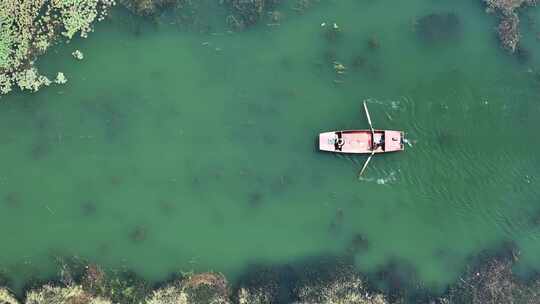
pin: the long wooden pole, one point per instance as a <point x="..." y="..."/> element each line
<point x="365" y="164"/>
<point x="370" y="126"/>
<point x="368" y="117"/>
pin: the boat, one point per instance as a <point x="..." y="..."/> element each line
<point x="361" y="141"/>
<point x="368" y="141"/>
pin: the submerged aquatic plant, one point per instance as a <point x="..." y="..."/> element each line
<point x="357" y="244"/>
<point x="138" y="234"/>
<point x="374" y="43"/>
<point x="358" y="62"/>
<point x="276" y="17"/>
<point x="337" y="221"/>
<point x="166" y="207"/>
<point x="438" y="27"/>
<point x="150" y="7"/>
<point x="88" y="208"/>
<point x="40" y="149"/>
<point x="255" y="199"/>
<point x="248" y="13"/>
<point x="13" y="200"/>
<point x="523" y="55"/>
<point x="330" y="56"/>
<point x="303" y="5"/>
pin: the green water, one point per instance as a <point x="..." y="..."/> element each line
<point x="171" y="149"/>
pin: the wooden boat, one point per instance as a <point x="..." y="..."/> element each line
<point x="368" y="141"/>
<point x="361" y="141"/>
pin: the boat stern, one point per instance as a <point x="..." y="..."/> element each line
<point x="327" y="141"/>
<point x="393" y="141"/>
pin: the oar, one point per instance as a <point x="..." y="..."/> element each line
<point x="365" y="164"/>
<point x="368" y="118"/>
<point x="370" y="126"/>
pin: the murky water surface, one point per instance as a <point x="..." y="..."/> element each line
<point x="171" y="149"/>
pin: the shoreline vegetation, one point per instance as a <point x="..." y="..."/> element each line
<point x="29" y="28"/>
<point x="488" y="279"/>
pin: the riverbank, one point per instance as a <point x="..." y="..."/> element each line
<point x="96" y="287"/>
<point x="488" y="279"/>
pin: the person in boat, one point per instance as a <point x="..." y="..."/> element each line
<point x="378" y="144"/>
<point x="339" y="142"/>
